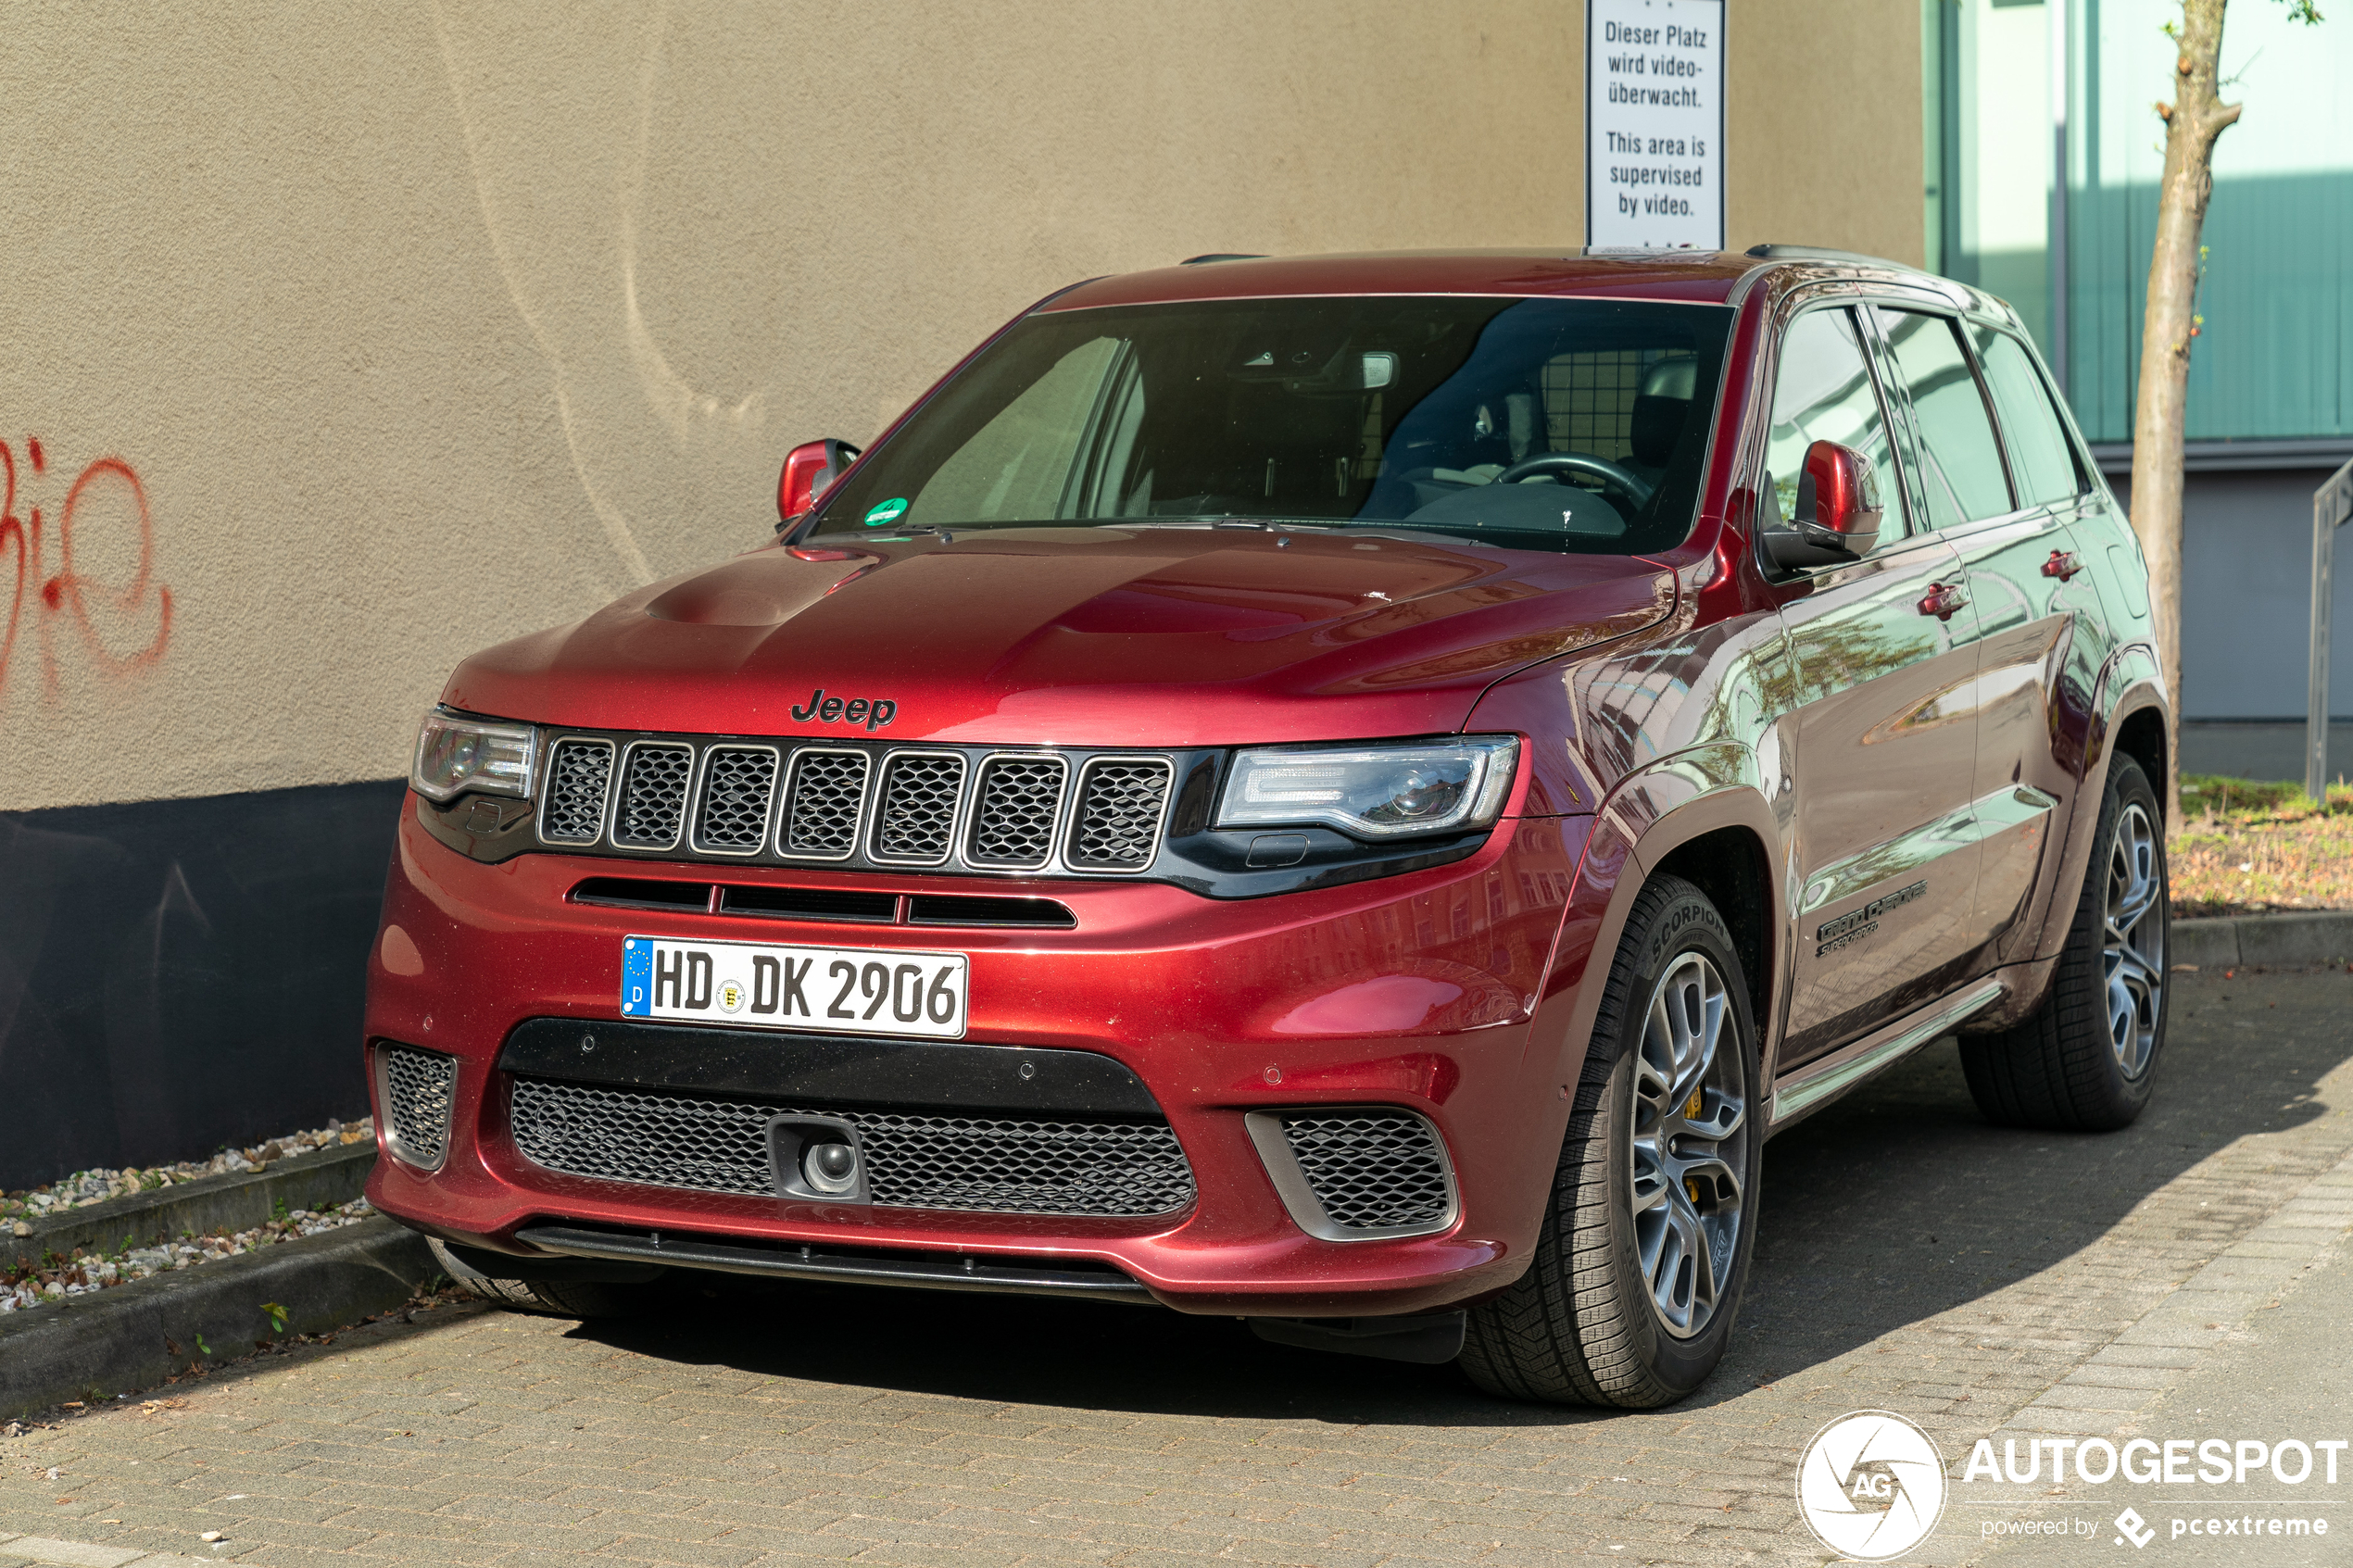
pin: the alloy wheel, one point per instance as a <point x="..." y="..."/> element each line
<point x="1688" y="1145"/>
<point x="2132" y="942"/>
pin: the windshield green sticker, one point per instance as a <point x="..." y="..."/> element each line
<point x="889" y="511"/>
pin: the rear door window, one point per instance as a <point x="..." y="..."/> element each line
<point x="2041" y="460"/>
<point x="1822" y="391"/>
<point x="1960" y="462"/>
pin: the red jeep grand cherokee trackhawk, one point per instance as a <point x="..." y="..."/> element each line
<point x="1351" y="792"/>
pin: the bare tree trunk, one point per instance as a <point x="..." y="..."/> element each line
<point x="2193" y="121"/>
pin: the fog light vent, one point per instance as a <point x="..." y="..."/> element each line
<point x="417" y="1089"/>
<point x="1358" y="1173"/>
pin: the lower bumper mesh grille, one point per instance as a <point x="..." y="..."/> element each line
<point x="987" y="1164"/>
<point x="417" y="1090"/>
<point x="1371" y="1169"/>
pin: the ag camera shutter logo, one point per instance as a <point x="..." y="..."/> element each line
<point x="1871" y="1486"/>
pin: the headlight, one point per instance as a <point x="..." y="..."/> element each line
<point x="1373" y="791"/>
<point x="456" y="753"/>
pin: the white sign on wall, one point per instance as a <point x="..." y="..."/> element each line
<point x="1654" y="124"/>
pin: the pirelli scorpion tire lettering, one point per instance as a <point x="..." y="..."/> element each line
<point x="1646" y="1244"/>
<point x="564" y="1299"/>
<point x="2087" y="1059"/>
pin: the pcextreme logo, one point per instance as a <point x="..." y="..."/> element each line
<point x="1871" y="1486"/>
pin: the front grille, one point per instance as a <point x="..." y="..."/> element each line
<point x="417" y="1088"/>
<point x="828" y="789"/>
<point x="1014" y="810"/>
<point x="653" y="796"/>
<point x="915" y="812"/>
<point x="1371" y="1169"/>
<point x="1119" y="808"/>
<point x="737" y="783"/>
<point x="578" y="772"/>
<point x="860" y="803"/>
<point x="976" y="1164"/>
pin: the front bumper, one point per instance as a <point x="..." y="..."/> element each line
<point x="1415" y="991"/>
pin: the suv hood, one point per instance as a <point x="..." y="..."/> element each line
<point x="1077" y="636"/>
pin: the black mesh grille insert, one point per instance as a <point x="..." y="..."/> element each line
<point x="989" y="1164"/>
<point x="1119" y="806"/>
<point x="653" y="796"/>
<point x="822" y="818"/>
<point x="1370" y="1169"/>
<point x="417" y="1091"/>
<point x="737" y="783"/>
<point x="578" y="774"/>
<point x="916" y="811"/>
<point x="1013" y="812"/>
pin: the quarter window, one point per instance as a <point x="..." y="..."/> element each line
<point x="2041" y="460"/>
<point x="1822" y="391"/>
<point x="1960" y="462"/>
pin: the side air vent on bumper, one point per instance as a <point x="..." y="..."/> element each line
<point x="1357" y="1172"/>
<point x="991" y="1164"/>
<point x="417" y="1090"/>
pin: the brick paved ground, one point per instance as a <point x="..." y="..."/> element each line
<point x="1911" y="1259"/>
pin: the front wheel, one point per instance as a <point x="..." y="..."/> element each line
<point x="2086" y="1060"/>
<point x="1644" y="1250"/>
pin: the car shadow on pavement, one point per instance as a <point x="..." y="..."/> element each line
<point x="1895" y="1205"/>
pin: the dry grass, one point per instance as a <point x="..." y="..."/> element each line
<point x="2249" y="847"/>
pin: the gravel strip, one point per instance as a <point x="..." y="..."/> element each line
<point x="99" y="1184"/>
<point x="30" y="1285"/>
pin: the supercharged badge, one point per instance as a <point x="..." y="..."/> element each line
<point x="1856" y="925"/>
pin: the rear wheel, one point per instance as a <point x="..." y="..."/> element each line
<point x="555" y="1299"/>
<point x="1645" y="1244"/>
<point x="2086" y="1061"/>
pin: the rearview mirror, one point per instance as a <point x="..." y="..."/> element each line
<point x="1838" y="510"/>
<point x="810" y="470"/>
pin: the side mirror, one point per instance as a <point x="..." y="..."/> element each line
<point x="810" y="470"/>
<point x="1838" y="511"/>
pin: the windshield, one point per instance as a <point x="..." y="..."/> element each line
<point x="1558" y="424"/>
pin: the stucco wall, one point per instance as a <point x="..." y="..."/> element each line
<point x="353" y="341"/>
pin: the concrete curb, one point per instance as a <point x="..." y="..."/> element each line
<point x="94" y="1345"/>
<point x="2325" y="936"/>
<point x="236" y="1201"/>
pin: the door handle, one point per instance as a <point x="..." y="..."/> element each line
<point x="2063" y="565"/>
<point x="1943" y="601"/>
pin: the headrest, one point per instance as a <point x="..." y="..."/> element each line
<point x="1660" y="408"/>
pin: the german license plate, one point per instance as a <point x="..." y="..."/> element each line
<point x="765" y="985"/>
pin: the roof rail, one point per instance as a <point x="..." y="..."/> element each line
<point x="1818" y="253"/>
<point x="1222" y="256"/>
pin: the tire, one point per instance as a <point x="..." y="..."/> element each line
<point x="2087" y="1059"/>
<point x="1585" y="1325"/>
<point x="555" y="1299"/>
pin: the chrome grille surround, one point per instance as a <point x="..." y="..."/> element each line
<point x="824" y="802"/>
<point x="418" y="1090"/>
<point x="985" y="1164"/>
<point x="1123" y="806"/>
<point x="1357" y="1172"/>
<point x="731" y="812"/>
<point x="915" y="808"/>
<point x="579" y="774"/>
<point x="861" y="804"/>
<point x="650" y="806"/>
<point x="1014" y="810"/>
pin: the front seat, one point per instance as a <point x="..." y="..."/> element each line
<point x="1661" y="408"/>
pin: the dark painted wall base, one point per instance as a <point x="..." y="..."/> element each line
<point x="180" y="975"/>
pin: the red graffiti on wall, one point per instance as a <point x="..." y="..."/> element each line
<point x="65" y="599"/>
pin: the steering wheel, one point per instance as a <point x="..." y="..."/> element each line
<point x="1611" y="475"/>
